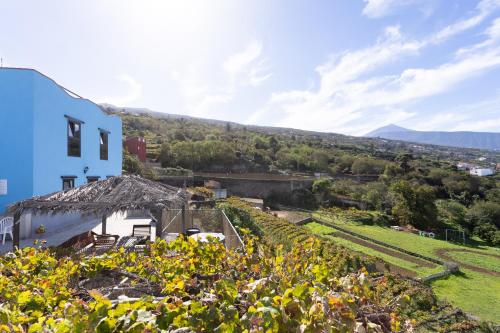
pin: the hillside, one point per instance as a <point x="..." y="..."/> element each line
<point x="254" y="141"/>
<point x="480" y="140"/>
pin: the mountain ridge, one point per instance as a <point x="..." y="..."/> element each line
<point x="462" y="139"/>
<point x="390" y="132"/>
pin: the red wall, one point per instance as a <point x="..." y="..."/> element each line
<point x="136" y="146"/>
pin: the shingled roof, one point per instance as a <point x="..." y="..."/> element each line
<point x="106" y="196"/>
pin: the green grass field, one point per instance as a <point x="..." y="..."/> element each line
<point x="475" y="292"/>
<point x="419" y="271"/>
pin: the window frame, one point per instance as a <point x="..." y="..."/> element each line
<point x="72" y="139"/>
<point x="104" y="147"/>
<point x="91" y="179"/>
<point x="70" y="179"/>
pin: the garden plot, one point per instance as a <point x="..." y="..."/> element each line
<point x="475" y="289"/>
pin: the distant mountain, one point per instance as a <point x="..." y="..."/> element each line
<point x="481" y="140"/>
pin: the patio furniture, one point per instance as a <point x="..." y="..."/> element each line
<point x="104" y="241"/>
<point x="131" y="242"/>
<point x="192" y="231"/>
<point x="100" y="244"/>
<point x="204" y="236"/>
<point x="6" y="226"/>
<point x="141" y="230"/>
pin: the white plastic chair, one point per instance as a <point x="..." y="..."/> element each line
<point x="6" y="226"/>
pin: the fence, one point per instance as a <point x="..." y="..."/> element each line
<point x="176" y="221"/>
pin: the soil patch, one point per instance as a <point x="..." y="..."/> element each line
<point x="443" y="253"/>
<point x="292" y="216"/>
<point x="393" y="253"/>
<point x="383" y="266"/>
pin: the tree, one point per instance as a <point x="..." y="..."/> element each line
<point x="413" y="204"/>
<point x="165" y="156"/>
<point x="483" y="212"/>
<point x="367" y="165"/>
<point x="391" y="171"/>
<point x="404" y="161"/>
<point x="375" y="195"/>
<point x="488" y="232"/>
<point x="321" y="186"/>
<point x="436" y="176"/>
<point x="453" y="213"/>
<point x="493" y="195"/>
<point x="131" y="164"/>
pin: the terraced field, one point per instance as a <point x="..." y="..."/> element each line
<point x="475" y="289"/>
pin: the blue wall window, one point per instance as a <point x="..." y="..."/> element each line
<point x="68" y="182"/>
<point x="91" y="179"/>
<point x="103" y="140"/>
<point x="74" y="138"/>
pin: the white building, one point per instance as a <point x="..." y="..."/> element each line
<point x="464" y="166"/>
<point x="481" y="172"/>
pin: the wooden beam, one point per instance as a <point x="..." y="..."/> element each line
<point x="159" y="224"/>
<point x="103" y="224"/>
<point x="16" y="231"/>
<point x="183" y="218"/>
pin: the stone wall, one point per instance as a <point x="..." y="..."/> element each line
<point x="244" y="187"/>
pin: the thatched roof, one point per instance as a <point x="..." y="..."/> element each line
<point x="106" y="196"/>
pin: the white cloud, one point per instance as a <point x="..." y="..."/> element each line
<point x="248" y="65"/>
<point x="349" y="99"/>
<point x="204" y="92"/>
<point x="379" y="8"/>
<point x="483" y="10"/>
<point x="238" y="62"/>
<point x="198" y="95"/>
<point x="133" y="94"/>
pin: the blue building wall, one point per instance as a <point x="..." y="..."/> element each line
<point x="44" y="108"/>
<point x="16" y="135"/>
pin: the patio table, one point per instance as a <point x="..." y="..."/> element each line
<point x="203" y="236"/>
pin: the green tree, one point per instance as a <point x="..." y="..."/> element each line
<point x="413" y="204"/>
<point x="366" y="165"/>
<point x="404" y="161"/>
<point x="321" y="186"/>
<point x="453" y="213"/>
<point x="165" y="157"/>
<point x="488" y="232"/>
<point x="131" y="164"/>
<point x="483" y="212"/>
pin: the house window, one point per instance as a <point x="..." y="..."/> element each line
<point x="74" y="138"/>
<point x="68" y="182"/>
<point x="91" y="179"/>
<point x="103" y="139"/>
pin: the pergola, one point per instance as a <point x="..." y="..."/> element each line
<point x="103" y="198"/>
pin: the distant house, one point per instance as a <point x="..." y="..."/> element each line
<point x="464" y="166"/>
<point x="481" y="172"/>
<point x="136" y="146"/>
<point x="50" y="138"/>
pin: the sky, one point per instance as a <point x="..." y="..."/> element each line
<point x="343" y="66"/>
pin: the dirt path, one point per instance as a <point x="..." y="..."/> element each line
<point x="393" y="253"/>
<point x="382" y="266"/>
<point x="442" y="253"/>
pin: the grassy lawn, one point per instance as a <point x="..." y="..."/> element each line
<point x="474" y="292"/>
<point x="405" y="240"/>
<point x="487" y="262"/>
<point x="324" y="230"/>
